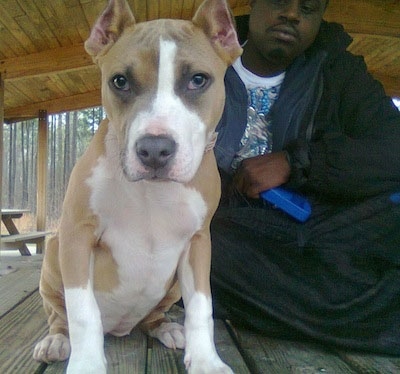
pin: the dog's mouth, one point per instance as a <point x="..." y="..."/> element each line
<point x="153" y="177"/>
<point x="169" y="173"/>
<point x="149" y="174"/>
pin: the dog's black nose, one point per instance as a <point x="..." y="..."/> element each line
<point x="155" y="150"/>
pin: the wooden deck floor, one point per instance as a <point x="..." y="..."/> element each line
<point x="23" y="323"/>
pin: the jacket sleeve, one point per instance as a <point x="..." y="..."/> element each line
<point x="355" y="149"/>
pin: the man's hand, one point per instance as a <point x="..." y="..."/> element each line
<point x="260" y="173"/>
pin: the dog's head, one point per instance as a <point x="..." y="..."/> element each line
<point x="163" y="85"/>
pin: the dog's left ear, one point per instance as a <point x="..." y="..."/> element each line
<point x="109" y="27"/>
<point x="216" y="20"/>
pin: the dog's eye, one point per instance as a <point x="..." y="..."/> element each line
<point x="198" y="81"/>
<point x="120" y="82"/>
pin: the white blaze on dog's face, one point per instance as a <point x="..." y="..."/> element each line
<point x="160" y="98"/>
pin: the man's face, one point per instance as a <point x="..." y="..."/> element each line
<point x="283" y="29"/>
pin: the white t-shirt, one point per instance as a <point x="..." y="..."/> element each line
<point x="262" y="93"/>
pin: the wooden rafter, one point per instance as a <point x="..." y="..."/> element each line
<point x="47" y="62"/>
<point x="64" y="104"/>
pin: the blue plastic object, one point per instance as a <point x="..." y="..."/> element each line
<point x="395" y="198"/>
<point x="290" y="202"/>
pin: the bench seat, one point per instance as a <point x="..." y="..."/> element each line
<point x="19" y="241"/>
<point x="29" y="237"/>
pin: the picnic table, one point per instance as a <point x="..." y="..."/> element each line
<point x="23" y="323"/>
<point x="14" y="239"/>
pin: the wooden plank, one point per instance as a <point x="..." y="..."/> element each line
<point x="187" y="9"/>
<point x="20" y="330"/>
<point x="27" y="237"/>
<point x="41" y="175"/>
<point x="162" y="359"/>
<point x="55" y="368"/>
<point x="239" y="7"/>
<point x="46" y="62"/>
<point x="1" y="138"/>
<point x="34" y="24"/>
<point x="41" y="91"/>
<point x="75" y="102"/>
<point x="17" y="286"/>
<point x="371" y="364"/>
<point x="139" y="9"/>
<point x="14" y="97"/>
<point x="127" y="354"/>
<point x="267" y="355"/>
<point x="12" y="26"/>
<point x="63" y="20"/>
<point x="13" y="230"/>
<point x="176" y="8"/>
<point x="9" y="46"/>
<point x="165" y="9"/>
<point x="36" y="31"/>
<point x="14" y="213"/>
<point x="74" y="82"/>
<point x="8" y="221"/>
<point x="22" y="246"/>
<point x="92" y="10"/>
<point x="19" y="278"/>
<point x="227" y="349"/>
<point x="153" y="9"/>
<point x="165" y="360"/>
<point x="366" y="16"/>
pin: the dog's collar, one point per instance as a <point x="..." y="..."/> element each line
<point x="211" y="143"/>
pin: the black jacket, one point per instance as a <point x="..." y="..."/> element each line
<point x="340" y="129"/>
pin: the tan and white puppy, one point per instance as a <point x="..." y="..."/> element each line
<point x="134" y="232"/>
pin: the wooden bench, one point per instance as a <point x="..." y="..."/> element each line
<point x="19" y="241"/>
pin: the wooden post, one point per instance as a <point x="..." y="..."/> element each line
<point x="1" y="142"/>
<point x="41" y="200"/>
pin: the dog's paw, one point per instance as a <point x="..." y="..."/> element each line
<point x="204" y="364"/>
<point x="52" y="348"/>
<point x="171" y="334"/>
<point x="207" y="367"/>
<point x="85" y="364"/>
<point x="214" y="365"/>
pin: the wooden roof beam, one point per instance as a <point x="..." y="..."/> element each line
<point x="46" y="62"/>
<point x="65" y="104"/>
<point x="374" y="17"/>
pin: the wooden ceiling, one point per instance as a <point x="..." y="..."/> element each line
<point x="44" y="66"/>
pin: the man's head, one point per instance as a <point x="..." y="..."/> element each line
<point x="279" y="31"/>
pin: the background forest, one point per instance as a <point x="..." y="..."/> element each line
<point x="68" y="136"/>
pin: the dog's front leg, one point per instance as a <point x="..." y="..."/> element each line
<point x="194" y="277"/>
<point x="83" y="314"/>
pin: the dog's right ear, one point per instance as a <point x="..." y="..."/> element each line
<point x="216" y="20"/>
<point x="109" y="27"/>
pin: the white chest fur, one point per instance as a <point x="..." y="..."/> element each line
<point x="147" y="225"/>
